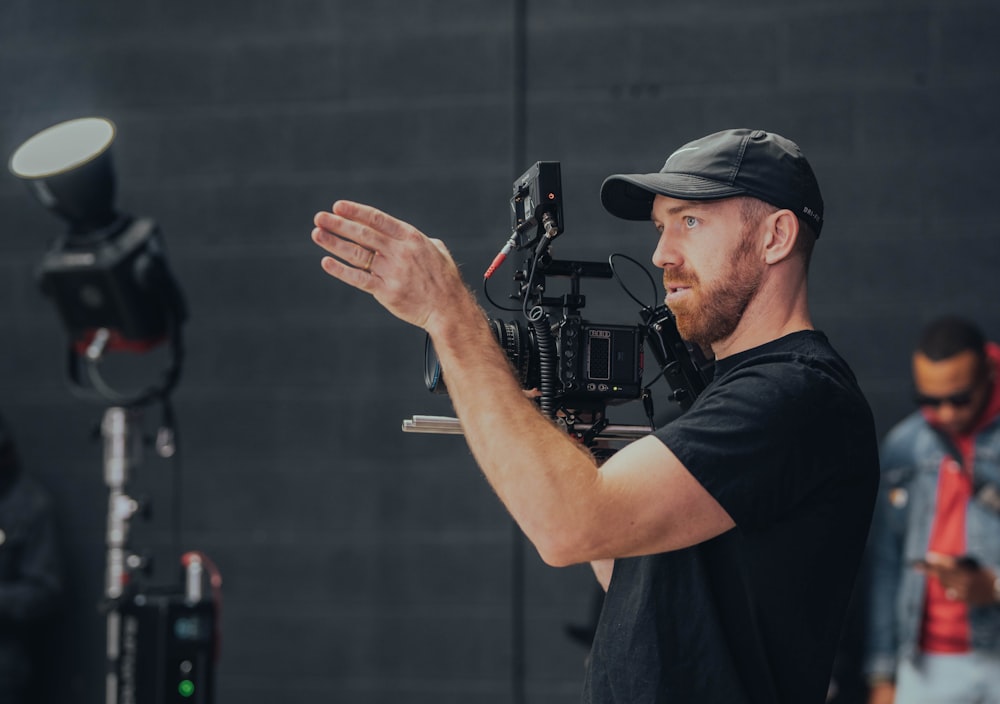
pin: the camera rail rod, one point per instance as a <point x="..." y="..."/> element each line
<point x="447" y="425"/>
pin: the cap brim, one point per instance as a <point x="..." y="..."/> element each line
<point x="630" y="196"/>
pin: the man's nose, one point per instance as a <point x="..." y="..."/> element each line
<point x="665" y="255"/>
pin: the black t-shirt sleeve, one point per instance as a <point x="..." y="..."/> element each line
<point x="743" y="441"/>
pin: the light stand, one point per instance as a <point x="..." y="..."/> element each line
<point x="161" y="646"/>
<point x="109" y="280"/>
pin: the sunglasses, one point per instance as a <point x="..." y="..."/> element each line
<point x="959" y="400"/>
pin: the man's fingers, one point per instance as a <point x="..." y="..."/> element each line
<point x="345" y="229"/>
<point x="939" y="564"/>
<point x="333" y="231"/>
<point x="346" y="252"/>
<point x="357" y="255"/>
<point x="372" y="218"/>
<point x="358" y="278"/>
<point x="941" y="560"/>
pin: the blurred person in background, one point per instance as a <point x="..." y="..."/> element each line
<point x="934" y="592"/>
<point x="31" y="589"/>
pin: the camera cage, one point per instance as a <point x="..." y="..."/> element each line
<point x="548" y="351"/>
<point x="566" y="379"/>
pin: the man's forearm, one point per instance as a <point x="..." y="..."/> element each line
<point x="641" y="501"/>
<point x="543" y="477"/>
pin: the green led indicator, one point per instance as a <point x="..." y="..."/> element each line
<point x="186" y="688"/>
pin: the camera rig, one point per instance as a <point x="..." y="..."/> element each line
<point x="578" y="367"/>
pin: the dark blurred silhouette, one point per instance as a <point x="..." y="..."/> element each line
<point x="31" y="584"/>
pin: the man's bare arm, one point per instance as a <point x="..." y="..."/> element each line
<point x="641" y="501"/>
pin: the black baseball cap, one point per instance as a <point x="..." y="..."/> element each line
<point x="738" y="162"/>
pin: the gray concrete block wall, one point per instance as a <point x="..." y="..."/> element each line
<point x="361" y="564"/>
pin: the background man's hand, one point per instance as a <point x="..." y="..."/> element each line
<point x="962" y="580"/>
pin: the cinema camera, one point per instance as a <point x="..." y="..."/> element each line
<point x="579" y="367"/>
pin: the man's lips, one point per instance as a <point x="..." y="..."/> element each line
<point x="676" y="291"/>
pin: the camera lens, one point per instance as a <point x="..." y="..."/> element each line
<point x="518" y="343"/>
<point x="515" y="339"/>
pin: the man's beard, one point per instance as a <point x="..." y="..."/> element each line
<point x="712" y="314"/>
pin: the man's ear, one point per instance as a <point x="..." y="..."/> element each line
<point x="781" y="235"/>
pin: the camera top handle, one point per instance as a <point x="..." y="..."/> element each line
<point x="573" y="301"/>
<point x="685" y="368"/>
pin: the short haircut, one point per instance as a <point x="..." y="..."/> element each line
<point x="950" y="335"/>
<point x="753" y="210"/>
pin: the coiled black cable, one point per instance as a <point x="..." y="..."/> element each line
<point x="547" y="359"/>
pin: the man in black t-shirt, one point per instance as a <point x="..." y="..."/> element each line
<point x="729" y="539"/>
<point x="753" y="615"/>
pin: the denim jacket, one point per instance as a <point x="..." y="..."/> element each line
<point x="912" y="455"/>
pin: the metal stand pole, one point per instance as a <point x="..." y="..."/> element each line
<point x="122" y="450"/>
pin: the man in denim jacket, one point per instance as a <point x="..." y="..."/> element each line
<point x="934" y="609"/>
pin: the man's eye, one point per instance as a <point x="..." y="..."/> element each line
<point x="690" y="221"/>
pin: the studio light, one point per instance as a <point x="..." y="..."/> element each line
<point x="107" y="274"/>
